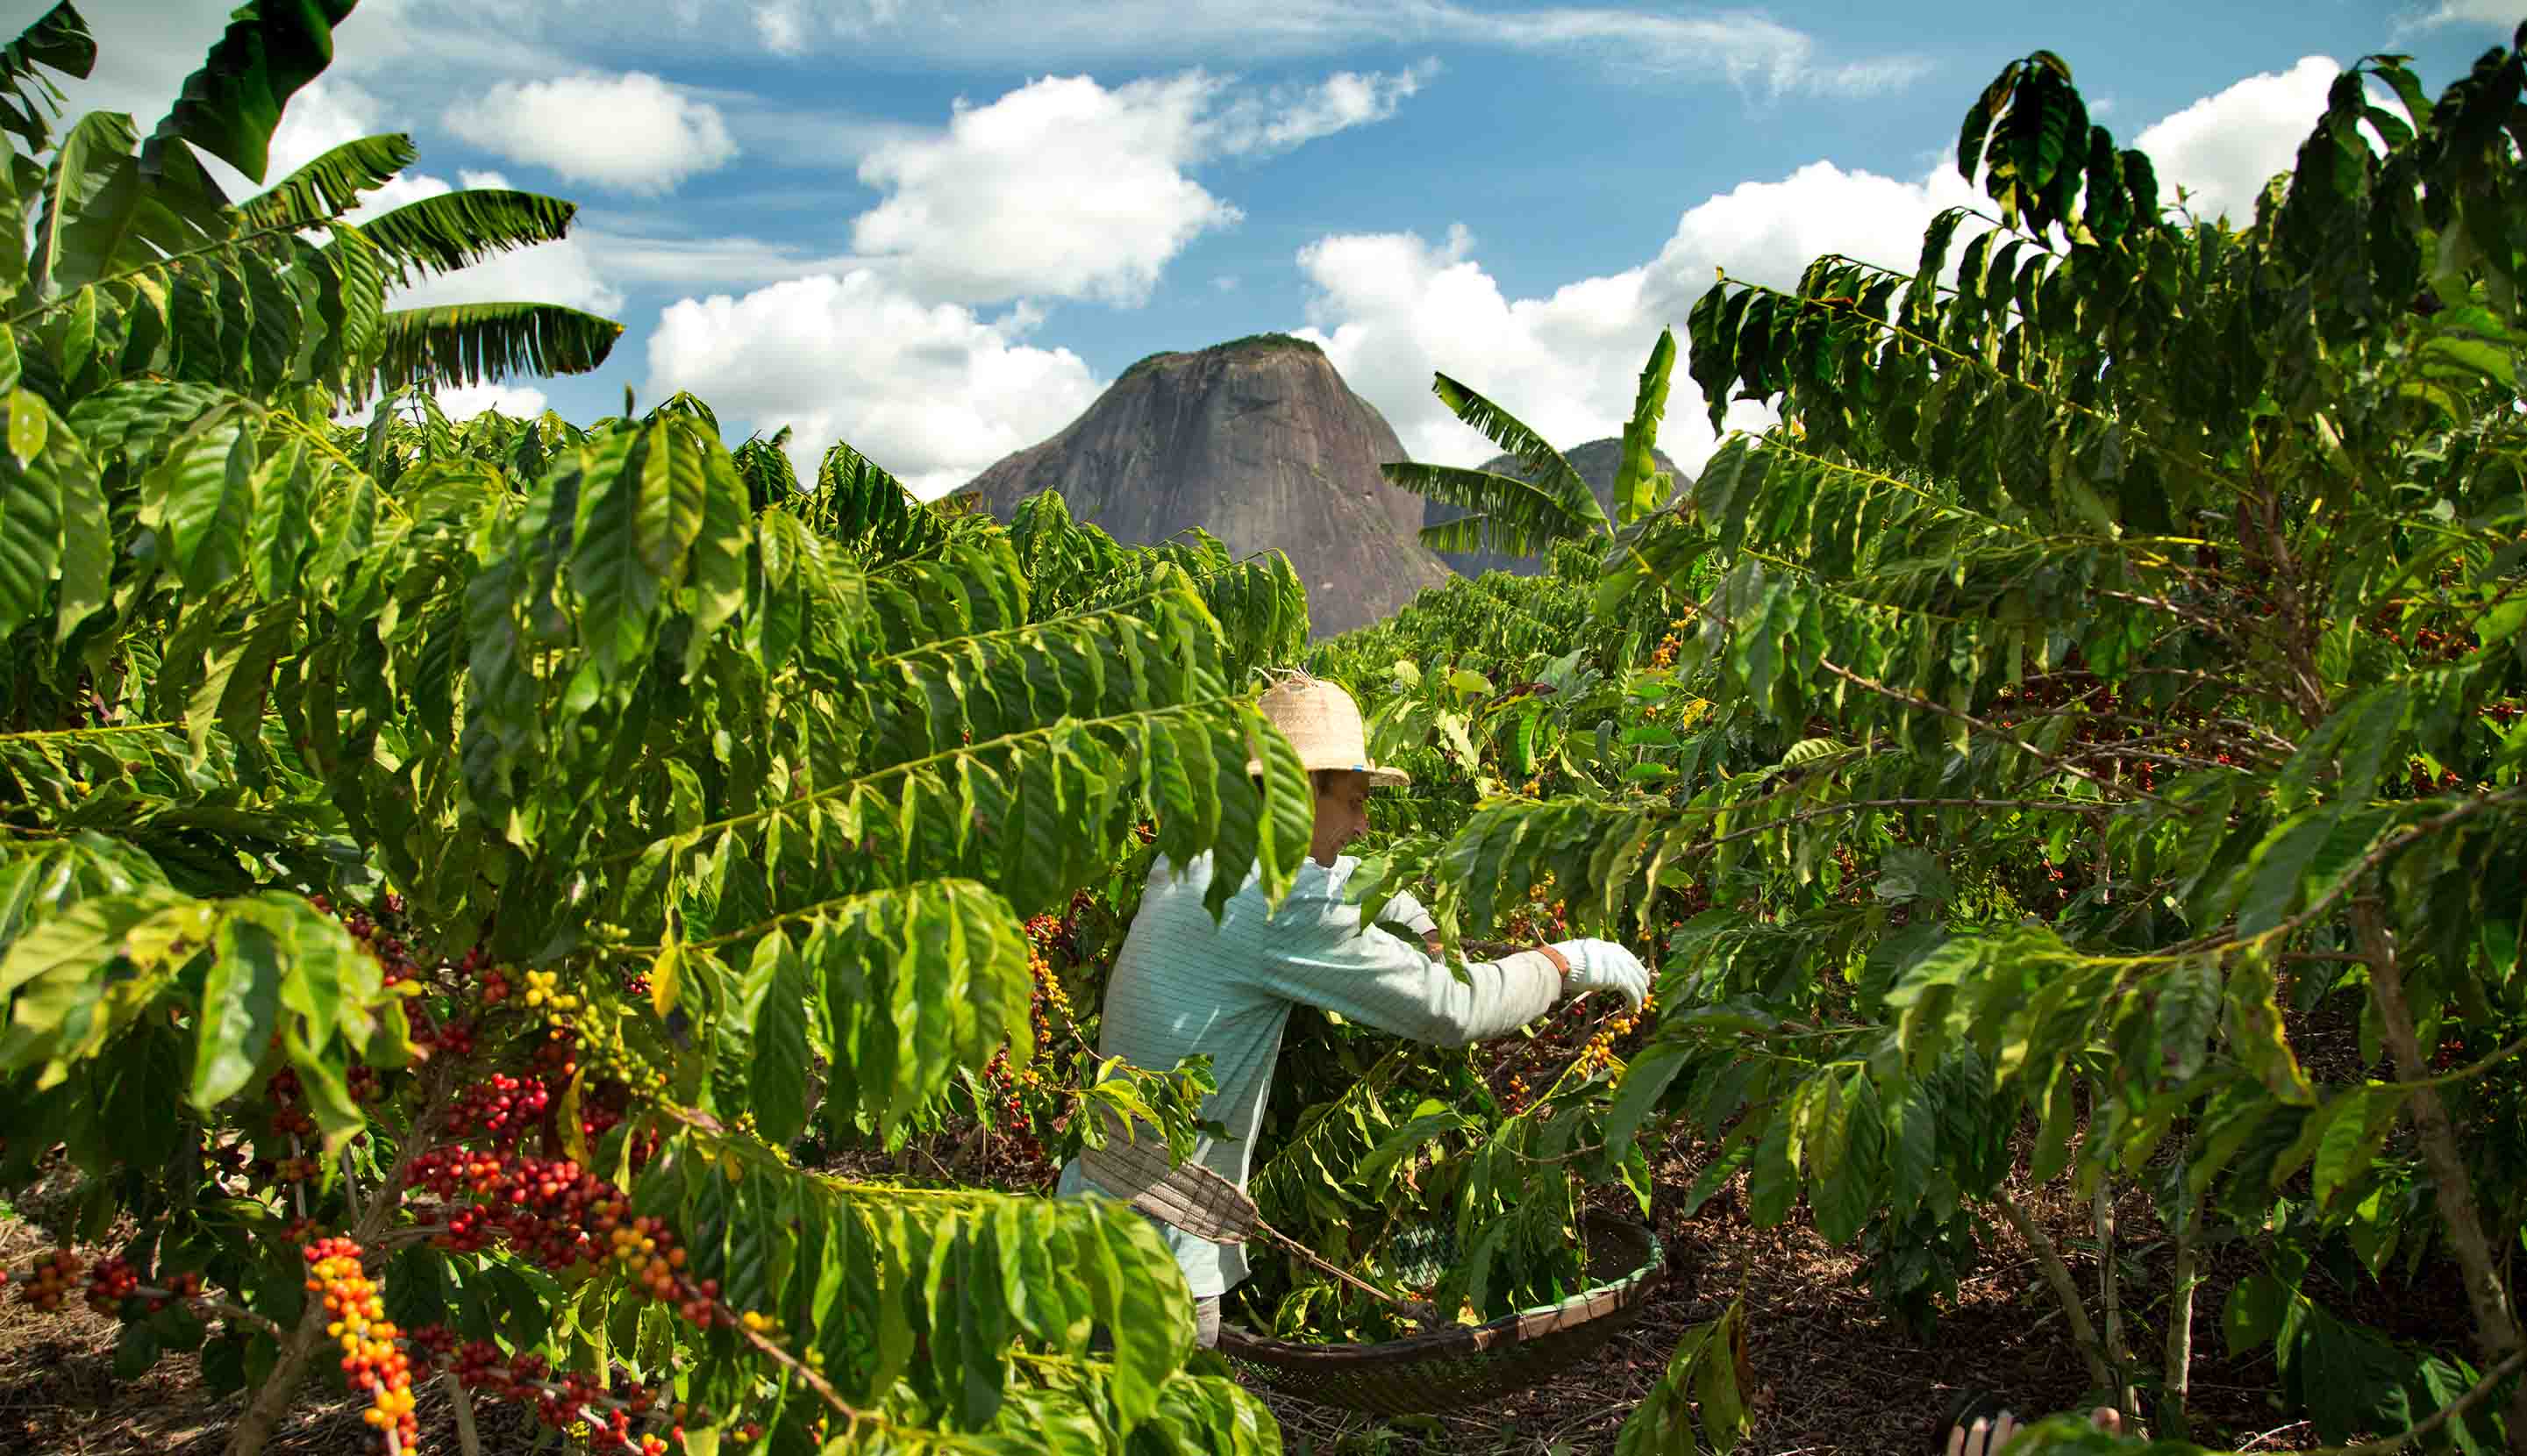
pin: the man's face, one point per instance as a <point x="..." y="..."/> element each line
<point x="1342" y="814"/>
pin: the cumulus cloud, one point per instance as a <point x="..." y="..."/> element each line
<point x="2223" y="148"/>
<point x="1391" y="308"/>
<point x="1066" y="187"/>
<point x="934" y="393"/>
<point x="330" y="112"/>
<point x="1062" y="186"/>
<point x="518" y="402"/>
<point x="563" y="273"/>
<point x="630" y="131"/>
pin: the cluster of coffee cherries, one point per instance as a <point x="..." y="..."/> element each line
<point x="2424" y="785"/>
<point x="500" y="1109"/>
<point x="110" y="1282"/>
<point x="492" y="986"/>
<point x="2429" y="642"/>
<point x="563" y="1216"/>
<point x="1662" y="655"/>
<point x="51" y="1281"/>
<point x="551" y="1210"/>
<point x="381" y="929"/>
<point x="598" y="1414"/>
<point x="1516" y="1095"/>
<point x="1599" y="1053"/>
<point x="289" y="1115"/>
<point x="1047" y="1000"/>
<point x="452" y="1039"/>
<point x="1540" y="918"/>
<point x="1010" y="1115"/>
<point x="372" y="1360"/>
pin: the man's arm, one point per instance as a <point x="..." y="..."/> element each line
<point x="1317" y="953"/>
<point x="1407" y="911"/>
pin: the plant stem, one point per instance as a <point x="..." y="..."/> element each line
<point x="2175" y="1422"/>
<point x="2058" y="1274"/>
<point x="469" y="1442"/>
<point x="2496" y="1328"/>
<point x="2111" y="1305"/>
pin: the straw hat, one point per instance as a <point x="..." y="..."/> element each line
<point x="1323" y="723"/>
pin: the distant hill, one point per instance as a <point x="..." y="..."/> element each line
<point x="1596" y="461"/>
<point x="1257" y="440"/>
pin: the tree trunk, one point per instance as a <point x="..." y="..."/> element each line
<point x="281" y="1387"/>
<point x="2496" y="1327"/>
<point x="2058" y="1274"/>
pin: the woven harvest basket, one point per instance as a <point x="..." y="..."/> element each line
<point x="1466" y="1365"/>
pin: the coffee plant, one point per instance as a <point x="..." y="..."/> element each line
<point x="516" y="907"/>
<point x="2082" y="742"/>
<point x="445" y="869"/>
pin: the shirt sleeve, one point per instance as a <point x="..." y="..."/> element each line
<point x="1317" y="953"/>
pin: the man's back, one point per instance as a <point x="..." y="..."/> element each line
<point x="1183" y="986"/>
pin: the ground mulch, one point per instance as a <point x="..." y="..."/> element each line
<point x="1832" y="1374"/>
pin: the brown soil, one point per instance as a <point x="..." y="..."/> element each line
<point x="1832" y="1375"/>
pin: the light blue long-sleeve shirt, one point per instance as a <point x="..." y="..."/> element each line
<point x="1183" y="986"/>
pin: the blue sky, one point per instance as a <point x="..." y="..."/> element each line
<point x="938" y="230"/>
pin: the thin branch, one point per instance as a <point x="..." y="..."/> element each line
<point x="1943" y="710"/>
<point x="2387" y="848"/>
<point x="2436" y="1420"/>
<point x="92" y="732"/>
<point x="813" y="1380"/>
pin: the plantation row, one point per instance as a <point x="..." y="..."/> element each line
<point x="558" y="872"/>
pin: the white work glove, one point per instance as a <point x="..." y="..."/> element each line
<point x="1603" y="965"/>
<point x="1406" y="910"/>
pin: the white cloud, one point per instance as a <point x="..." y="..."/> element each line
<point x="729" y="261"/>
<point x="1742" y="47"/>
<point x="1061" y="186"/>
<point x="2502" y="13"/>
<point x="1283" y="118"/>
<point x="934" y="393"/>
<point x="563" y="273"/>
<point x="632" y="131"/>
<point x="1391" y="308"/>
<point x="1066" y="187"/>
<point x="330" y="112"/>
<point x="518" y="402"/>
<point x="325" y="113"/>
<point x="2224" y="147"/>
<point x="783" y="25"/>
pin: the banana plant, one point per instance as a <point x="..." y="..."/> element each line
<point x="1549" y="502"/>
<point x="138" y="263"/>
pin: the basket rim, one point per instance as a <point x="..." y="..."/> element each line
<point x="1588" y="1306"/>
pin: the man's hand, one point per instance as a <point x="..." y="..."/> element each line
<point x="1603" y="965"/>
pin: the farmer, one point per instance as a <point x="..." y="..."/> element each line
<point x="1183" y="985"/>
